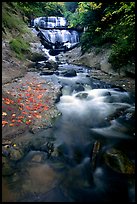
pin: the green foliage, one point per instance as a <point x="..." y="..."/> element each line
<point x="112" y="23"/>
<point x="37" y="9"/>
<point x="20" y="47"/>
<point x="71" y="6"/>
<point x="11" y="21"/>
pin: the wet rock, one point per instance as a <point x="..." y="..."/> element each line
<point x="36" y="57"/>
<point x="118" y="161"/>
<point x="52" y="64"/>
<point x="82" y="95"/>
<point x="48" y="72"/>
<point x="7" y="167"/>
<point x="69" y="73"/>
<point x="12" y="152"/>
<point x="79" y="87"/>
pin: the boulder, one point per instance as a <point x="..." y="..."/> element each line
<point x="69" y="73"/>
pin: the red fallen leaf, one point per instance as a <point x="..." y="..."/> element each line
<point x="19" y="121"/>
<point x="28" y="122"/>
<point x="11" y="124"/>
<point x="40" y="96"/>
<point x="31" y="99"/>
<point x="27" y="94"/>
<point x="38" y="116"/>
<point x="19" y="99"/>
<point x="4" y="122"/>
<point x="23" y="112"/>
<point x="28" y="108"/>
<point x="13" y="121"/>
<point x="20" y="117"/>
<point x="46" y="108"/>
<point x="7" y="102"/>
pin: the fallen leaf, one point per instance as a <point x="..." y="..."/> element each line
<point x="4" y="122"/>
<point x="4" y="113"/>
<point x="11" y="124"/>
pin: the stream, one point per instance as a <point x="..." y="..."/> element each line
<point x="88" y="155"/>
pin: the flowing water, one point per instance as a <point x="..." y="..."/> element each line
<point x="89" y="153"/>
<point x="92" y="113"/>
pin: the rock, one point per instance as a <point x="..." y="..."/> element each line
<point x="82" y="95"/>
<point x="36" y="57"/>
<point x="79" y="87"/>
<point x="48" y="72"/>
<point x="52" y="64"/>
<point x="7" y="167"/>
<point x="69" y="73"/>
<point x="118" y="161"/>
<point x="12" y="152"/>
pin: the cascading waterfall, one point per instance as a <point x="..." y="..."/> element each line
<point x="50" y="22"/>
<point x="55" y="34"/>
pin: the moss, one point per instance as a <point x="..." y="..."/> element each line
<point x="12" y="20"/>
<point x="20" y="47"/>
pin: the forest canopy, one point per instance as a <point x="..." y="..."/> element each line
<point x="107" y="23"/>
<point x="104" y="23"/>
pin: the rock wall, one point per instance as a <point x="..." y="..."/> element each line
<point x="97" y="58"/>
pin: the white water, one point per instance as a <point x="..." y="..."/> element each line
<point x="93" y="108"/>
<point x="50" y="22"/>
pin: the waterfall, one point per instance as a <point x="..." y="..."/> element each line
<point x="55" y="34"/>
<point x="50" y="22"/>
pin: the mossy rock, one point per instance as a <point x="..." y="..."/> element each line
<point x="119" y="162"/>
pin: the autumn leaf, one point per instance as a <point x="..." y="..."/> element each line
<point x="46" y="108"/>
<point x="24" y="112"/>
<point x="4" y="113"/>
<point x="38" y="116"/>
<point x="28" y="122"/>
<point x="4" y="123"/>
<point x="13" y="115"/>
<point x="13" y="121"/>
<point x="11" y="124"/>
<point x="40" y="96"/>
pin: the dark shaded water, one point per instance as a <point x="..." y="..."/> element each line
<point x="91" y="147"/>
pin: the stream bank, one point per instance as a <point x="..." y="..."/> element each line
<point x="101" y="68"/>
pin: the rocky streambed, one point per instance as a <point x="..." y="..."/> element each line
<point x="67" y="137"/>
